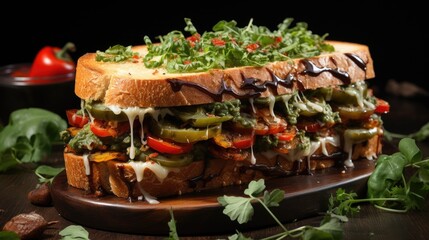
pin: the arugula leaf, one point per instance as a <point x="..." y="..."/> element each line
<point x="29" y="136"/>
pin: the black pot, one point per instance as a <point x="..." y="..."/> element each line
<point x="55" y="93"/>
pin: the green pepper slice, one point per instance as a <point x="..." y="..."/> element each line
<point x="102" y="112"/>
<point x="360" y="134"/>
<point x="168" y="160"/>
<point x="352" y="112"/>
<point x="165" y="129"/>
<point x="198" y="117"/>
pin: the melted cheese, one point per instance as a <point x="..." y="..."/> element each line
<point x="348" y="147"/>
<point x="139" y="168"/>
<point x="334" y="141"/>
<point x="271" y="103"/>
<point x="298" y="154"/>
<point x="132" y="113"/>
<point x="86" y="164"/>
<point x="160" y="172"/>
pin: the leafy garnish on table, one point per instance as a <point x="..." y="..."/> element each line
<point x="29" y="136"/>
<point x="74" y="232"/>
<point x="173" y="235"/>
<point x="399" y="183"/>
<point x="47" y="173"/>
<point x="241" y="209"/>
<point x="419" y="135"/>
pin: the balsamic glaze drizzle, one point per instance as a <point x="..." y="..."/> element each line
<point x="177" y="84"/>
<point x="313" y="70"/>
<point x="357" y="60"/>
<point x="258" y="88"/>
<point x="251" y="83"/>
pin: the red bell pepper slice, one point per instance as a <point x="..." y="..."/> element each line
<point x="381" y="106"/>
<point x="170" y="147"/>
<point x="76" y="120"/>
<point x="102" y="129"/>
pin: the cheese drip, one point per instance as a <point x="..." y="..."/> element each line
<point x="132" y="113"/>
<point x="86" y="164"/>
<point x="160" y="172"/>
<point x="298" y="154"/>
<point x="348" y="146"/>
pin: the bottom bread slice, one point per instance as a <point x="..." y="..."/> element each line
<point x="123" y="180"/>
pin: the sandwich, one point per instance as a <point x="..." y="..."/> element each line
<point x="196" y="111"/>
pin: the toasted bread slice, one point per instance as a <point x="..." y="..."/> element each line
<point x="131" y="84"/>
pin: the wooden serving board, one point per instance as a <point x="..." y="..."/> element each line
<point x="200" y="213"/>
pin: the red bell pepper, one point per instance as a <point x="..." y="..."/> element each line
<point x="51" y="61"/>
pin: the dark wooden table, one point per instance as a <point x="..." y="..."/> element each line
<point x="406" y="116"/>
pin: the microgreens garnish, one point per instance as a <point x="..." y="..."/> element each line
<point x="230" y="46"/>
<point x="117" y="53"/>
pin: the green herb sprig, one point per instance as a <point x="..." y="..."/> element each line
<point x="399" y="183"/>
<point x="419" y="135"/>
<point x="46" y="174"/>
<point x="241" y="210"/>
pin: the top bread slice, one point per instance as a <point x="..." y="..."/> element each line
<point x="131" y="84"/>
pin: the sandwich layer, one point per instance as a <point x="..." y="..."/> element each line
<point x="131" y="84"/>
<point x="125" y="180"/>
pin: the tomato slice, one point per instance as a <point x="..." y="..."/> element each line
<point x="267" y="124"/>
<point x="243" y="141"/>
<point x="381" y="106"/>
<point x="103" y="129"/>
<point x="234" y="139"/>
<point x="287" y="135"/>
<point x="170" y="147"/>
<point x="75" y="119"/>
<point x="308" y="125"/>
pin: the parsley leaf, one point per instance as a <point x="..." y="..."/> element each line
<point x="241" y="209"/>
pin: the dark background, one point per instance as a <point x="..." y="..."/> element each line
<point x="397" y="34"/>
